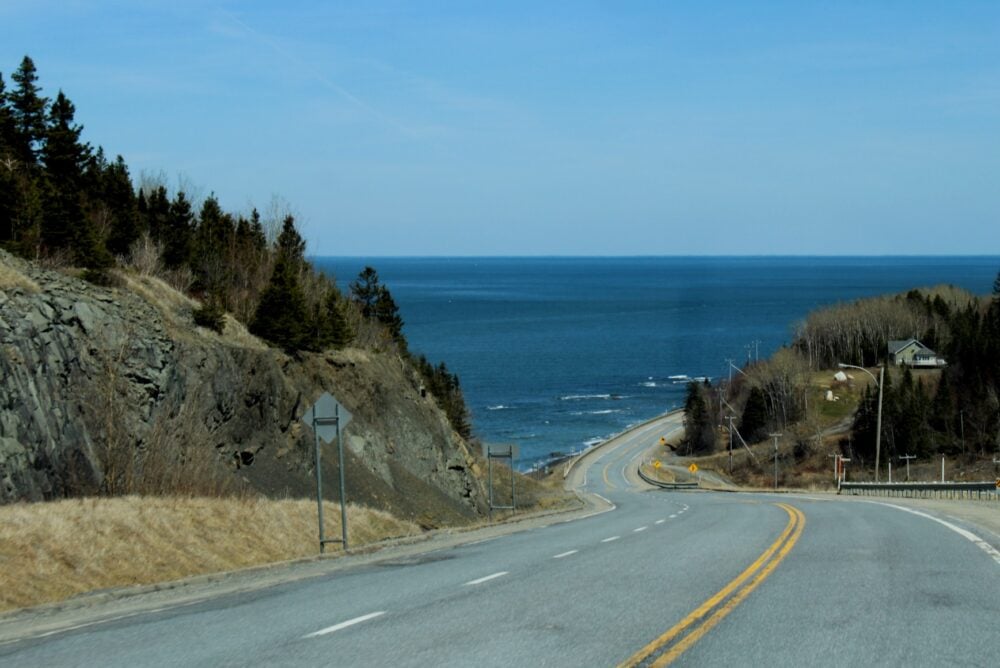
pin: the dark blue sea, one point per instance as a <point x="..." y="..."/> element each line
<point x="555" y="354"/>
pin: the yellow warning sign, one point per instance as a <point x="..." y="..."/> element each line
<point x="693" y="468"/>
<point x="663" y="440"/>
<point x="656" y="465"/>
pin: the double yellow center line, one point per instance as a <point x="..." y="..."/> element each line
<point x="689" y="630"/>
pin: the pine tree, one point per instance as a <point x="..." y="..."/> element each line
<point x="28" y="112"/>
<point x="176" y="233"/>
<point x="387" y="313"/>
<point x="366" y="290"/>
<point x="340" y="331"/>
<point x="212" y="241"/>
<point x="7" y="137"/>
<point x="699" y="430"/>
<point x="282" y="317"/>
<point x="154" y="207"/>
<point x="118" y="196"/>
<point x="753" y="422"/>
<point x="65" y="224"/>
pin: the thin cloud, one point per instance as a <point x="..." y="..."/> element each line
<point x="326" y="81"/>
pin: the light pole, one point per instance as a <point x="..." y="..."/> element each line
<point x="878" y="420"/>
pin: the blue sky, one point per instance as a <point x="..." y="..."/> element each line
<point x="577" y="128"/>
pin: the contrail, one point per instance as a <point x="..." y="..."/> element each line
<point x="323" y="79"/>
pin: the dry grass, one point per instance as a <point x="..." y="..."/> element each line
<point x="176" y="308"/>
<point x="12" y="278"/>
<point x="52" y="551"/>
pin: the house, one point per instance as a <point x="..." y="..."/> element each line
<point x="914" y="354"/>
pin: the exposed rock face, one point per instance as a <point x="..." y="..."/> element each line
<point x="104" y="389"/>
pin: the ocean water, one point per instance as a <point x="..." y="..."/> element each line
<point x="555" y="354"/>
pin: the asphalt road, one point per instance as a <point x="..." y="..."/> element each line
<point x="693" y="578"/>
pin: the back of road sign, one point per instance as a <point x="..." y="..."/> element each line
<point x="325" y="416"/>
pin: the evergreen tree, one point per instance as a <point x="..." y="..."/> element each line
<point x="290" y="244"/>
<point x="340" y="331"/>
<point x="154" y="207"/>
<point x="177" y="232"/>
<point x="282" y="317"/>
<point x="366" y="290"/>
<point x="387" y="313"/>
<point x="65" y="224"/>
<point x="120" y="201"/>
<point x="212" y="242"/>
<point x="28" y="112"/>
<point x="754" y="421"/>
<point x="699" y="423"/>
<point x="7" y="135"/>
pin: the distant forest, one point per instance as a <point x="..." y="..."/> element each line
<point x="66" y="204"/>
<point x="953" y="411"/>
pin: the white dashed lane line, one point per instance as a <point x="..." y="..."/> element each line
<point x="344" y="625"/>
<point x="639" y="529"/>
<point x="608" y="540"/>
<point x="660" y="521"/>
<point x="487" y="578"/>
<point x="565" y="554"/>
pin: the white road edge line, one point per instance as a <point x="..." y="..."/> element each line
<point x="968" y="535"/>
<point x="344" y="625"/>
<point x="565" y="554"/>
<point x="608" y="540"/>
<point x="639" y="529"/>
<point x="487" y="578"/>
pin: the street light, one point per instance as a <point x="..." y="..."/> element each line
<point x="878" y="421"/>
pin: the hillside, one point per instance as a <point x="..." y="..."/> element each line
<point x="113" y="390"/>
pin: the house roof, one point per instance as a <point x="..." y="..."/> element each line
<point x="897" y="346"/>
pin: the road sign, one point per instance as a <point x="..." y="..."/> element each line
<point x="656" y="465"/>
<point x="325" y="416"/>
<point x="693" y="468"/>
<point x="494" y="450"/>
<point x="663" y="440"/>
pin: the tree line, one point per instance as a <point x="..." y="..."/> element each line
<point x="954" y="411"/>
<point x="65" y="203"/>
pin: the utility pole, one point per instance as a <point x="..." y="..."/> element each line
<point x="961" y="416"/>
<point x="878" y="421"/>
<point x="729" y="361"/>
<point x="730" y="443"/>
<point x="836" y="466"/>
<point x="907" y="458"/>
<point x="775" y="437"/>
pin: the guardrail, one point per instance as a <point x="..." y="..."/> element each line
<point x="667" y="485"/>
<point x="941" y="490"/>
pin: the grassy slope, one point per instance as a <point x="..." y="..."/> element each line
<point x="54" y="550"/>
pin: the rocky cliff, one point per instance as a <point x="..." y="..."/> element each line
<point x="115" y="390"/>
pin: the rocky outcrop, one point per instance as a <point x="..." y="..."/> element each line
<point x="115" y="390"/>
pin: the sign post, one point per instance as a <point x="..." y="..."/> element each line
<point x="508" y="452"/>
<point x="326" y="418"/>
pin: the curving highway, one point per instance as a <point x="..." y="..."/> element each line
<point x="651" y="577"/>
